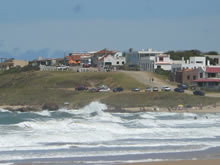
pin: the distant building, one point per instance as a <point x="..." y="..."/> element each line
<point x="114" y="60"/>
<point x="75" y="58"/>
<point x="47" y="62"/>
<point x="187" y="76"/>
<point x="215" y="58"/>
<point x="209" y="78"/>
<point x="194" y="62"/>
<point x="144" y="59"/>
<point x="11" y="63"/>
<point x="98" y="57"/>
<point x="163" y="61"/>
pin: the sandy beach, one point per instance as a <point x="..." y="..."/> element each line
<point x="198" y="109"/>
<point x="183" y="162"/>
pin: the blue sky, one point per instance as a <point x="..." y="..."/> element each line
<point x="31" y="28"/>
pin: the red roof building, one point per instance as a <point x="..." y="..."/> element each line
<point x="209" y="79"/>
<point x="212" y="70"/>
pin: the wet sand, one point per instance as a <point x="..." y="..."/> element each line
<point x="183" y="162"/>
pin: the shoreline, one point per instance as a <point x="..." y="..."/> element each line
<point x="181" y="162"/>
<point x="112" y="109"/>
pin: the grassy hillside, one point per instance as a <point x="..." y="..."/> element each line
<point x="58" y="87"/>
<point x="37" y="88"/>
<point x="161" y="99"/>
<point x="39" y="79"/>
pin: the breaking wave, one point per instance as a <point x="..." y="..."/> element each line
<point x="92" y="132"/>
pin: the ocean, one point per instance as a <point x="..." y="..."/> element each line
<point x="92" y="136"/>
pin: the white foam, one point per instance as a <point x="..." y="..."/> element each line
<point x="91" y="127"/>
<point x="43" y="113"/>
<point x="4" y="110"/>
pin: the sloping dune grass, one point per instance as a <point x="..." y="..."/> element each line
<point x="160" y="99"/>
<point x="39" y="79"/>
<point x="37" y="88"/>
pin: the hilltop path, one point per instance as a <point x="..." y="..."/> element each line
<point x="146" y="78"/>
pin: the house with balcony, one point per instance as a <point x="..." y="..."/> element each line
<point x="98" y="57"/>
<point x="215" y="58"/>
<point x="163" y="61"/>
<point x="115" y="60"/>
<point x="144" y="59"/>
<point x="209" y="78"/>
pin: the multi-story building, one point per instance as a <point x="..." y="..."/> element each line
<point x="209" y="78"/>
<point x="215" y="58"/>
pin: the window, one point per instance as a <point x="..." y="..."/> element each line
<point x="160" y="58"/>
<point x="216" y="60"/>
<point x="211" y="75"/>
<point x="188" y="77"/>
<point x="201" y="75"/>
<point x="194" y="77"/>
<point x="123" y="62"/>
<point x="117" y="62"/>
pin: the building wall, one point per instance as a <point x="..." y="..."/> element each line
<point x="215" y="58"/>
<point x="194" y="62"/>
<point x="146" y="64"/>
<point x="189" y="76"/>
<point x="179" y="76"/>
<point x="165" y="67"/>
<point x="209" y="86"/>
<point x="114" y="60"/>
<point x="20" y="63"/>
<point x="132" y="58"/>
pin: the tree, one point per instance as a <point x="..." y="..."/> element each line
<point x="212" y="53"/>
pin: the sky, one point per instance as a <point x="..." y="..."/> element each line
<point x="48" y="28"/>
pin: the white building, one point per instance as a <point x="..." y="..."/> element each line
<point x="215" y="58"/>
<point x="163" y="61"/>
<point x="149" y="53"/>
<point x="194" y="63"/>
<point x="147" y="59"/>
<point x="114" y="60"/>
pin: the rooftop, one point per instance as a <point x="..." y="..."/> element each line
<point x="213" y="69"/>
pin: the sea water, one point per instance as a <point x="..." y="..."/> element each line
<point x="92" y="136"/>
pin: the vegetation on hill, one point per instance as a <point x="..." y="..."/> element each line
<point x="20" y="69"/>
<point x="35" y="87"/>
<point x="38" y="88"/>
<point x="177" y="55"/>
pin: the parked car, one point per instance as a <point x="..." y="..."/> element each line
<point x="135" y="89"/>
<point x="147" y="89"/>
<point x="181" y="90"/>
<point x="200" y="93"/>
<point x="118" y="89"/>
<point x="184" y="86"/>
<point x="155" y="89"/>
<point x="81" y="88"/>
<point x="93" y="90"/>
<point x="104" y="88"/>
<point x="165" y="88"/>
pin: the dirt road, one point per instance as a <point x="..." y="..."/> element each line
<point x="146" y="78"/>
